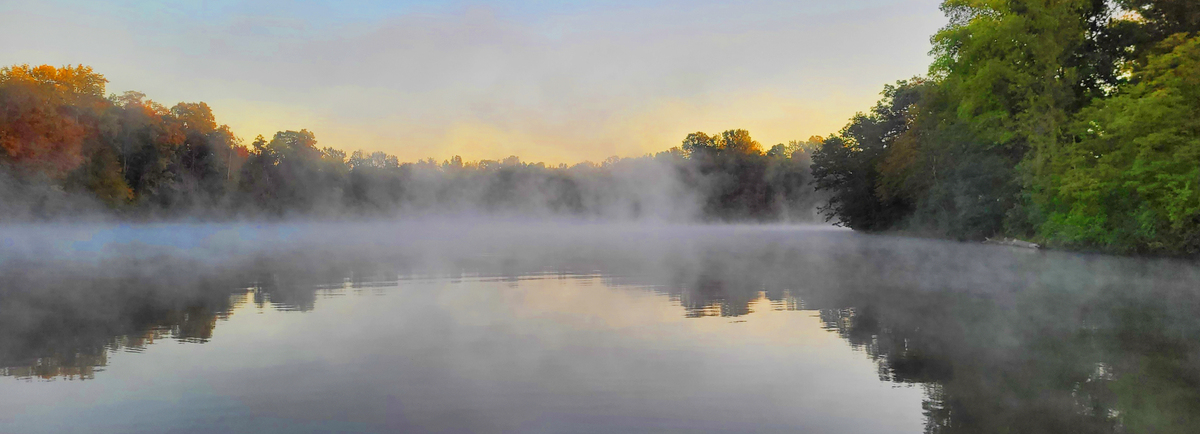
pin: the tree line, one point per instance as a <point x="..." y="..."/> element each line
<point x="69" y="150"/>
<point x="1074" y="123"/>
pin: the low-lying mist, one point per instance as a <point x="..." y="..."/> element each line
<point x="62" y="264"/>
<point x="1000" y="336"/>
<point x="71" y="152"/>
<point x="310" y="185"/>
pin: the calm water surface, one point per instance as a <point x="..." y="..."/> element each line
<point x="584" y="328"/>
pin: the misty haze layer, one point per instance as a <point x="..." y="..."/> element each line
<point x="73" y="153"/>
<point x="998" y="339"/>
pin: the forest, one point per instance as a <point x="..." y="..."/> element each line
<point x="1071" y="123"/>
<point x="71" y="152"/>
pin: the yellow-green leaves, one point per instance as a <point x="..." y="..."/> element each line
<point x="1130" y="180"/>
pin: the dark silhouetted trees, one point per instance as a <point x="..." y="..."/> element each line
<point x="68" y="151"/>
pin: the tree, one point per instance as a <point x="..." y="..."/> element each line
<point x="698" y="143"/>
<point x="848" y="164"/>
<point x="101" y="176"/>
<point x="737" y="142"/>
<point x="68" y="84"/>
<point x="290" y="174"/>
<point x="1149" y="22"/>
<point x="1006" y="65"/>
<point x="1130" y="181"/>
<point x="200" y="169"/>
<point x="46" y="114"/>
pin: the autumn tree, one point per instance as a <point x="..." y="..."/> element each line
<point x="46" y="114"/>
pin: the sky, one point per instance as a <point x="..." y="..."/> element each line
<point x="553" y="81"/>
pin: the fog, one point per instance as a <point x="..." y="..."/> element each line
<point x="995" y="336"/>
<point x="276" y="186"/>
<point x="79" y="154"/>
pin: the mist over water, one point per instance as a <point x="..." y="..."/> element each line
<point x="160" y="273"/>
<point x="472" y="326"/>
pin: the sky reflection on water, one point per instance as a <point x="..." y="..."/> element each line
<point x="709" y="329"/>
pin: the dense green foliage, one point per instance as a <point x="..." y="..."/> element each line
<point x="1130" y="179"/>
<point x="69" y="151"/>
<point x="1073" y="122"/>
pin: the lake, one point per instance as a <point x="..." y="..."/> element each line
<point x="469" y="327"/>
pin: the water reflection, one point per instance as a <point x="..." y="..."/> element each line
<point x="999" y="340"/>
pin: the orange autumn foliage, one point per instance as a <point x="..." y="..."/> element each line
<point x="46" y="114"/>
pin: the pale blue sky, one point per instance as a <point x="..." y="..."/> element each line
<point x="555" y="81"/>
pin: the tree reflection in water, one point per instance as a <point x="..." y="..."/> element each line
<point x="1001" y="340"/>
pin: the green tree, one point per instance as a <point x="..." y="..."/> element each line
<point x="848" y="164"/>
<point x="101" y="177"/>
<point x="698" y="143"/>
<point x="1130" y="180"/>
<point x="290" y="174"/>
<point x="1149" y="22"/>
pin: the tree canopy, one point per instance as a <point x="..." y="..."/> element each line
<point x="68" y="149"/>
<point x="1073" y="123"/>
<point x="1069" y="122"/>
